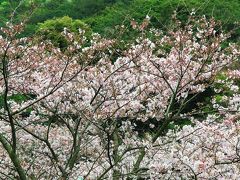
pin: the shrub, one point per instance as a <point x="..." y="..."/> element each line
<point x="52" y="30"/>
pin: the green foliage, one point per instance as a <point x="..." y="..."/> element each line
<point x="86" y="8"/>
<point x="52" y="29"/>
<point x="19" y="98"/>
<point x="161" y="11"/>
<point x="57" y="24"/>
<point x="4" y="12"/>
<point x="110" y="17"/>
<point x="49" y="9"/>
<point x="103" y="15"/>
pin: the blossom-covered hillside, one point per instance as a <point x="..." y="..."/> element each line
<point x="75" y="113"/>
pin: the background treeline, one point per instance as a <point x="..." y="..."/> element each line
<point x="102" y="15"/>
<point x="48" y="9"/>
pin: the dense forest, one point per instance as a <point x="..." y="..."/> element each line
<point x="119" y="89"/>
<point x="103" y="15"/>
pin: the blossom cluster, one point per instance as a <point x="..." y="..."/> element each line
<point x="80" y="105"/>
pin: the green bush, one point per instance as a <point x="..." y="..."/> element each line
<point x="52" y="29"/>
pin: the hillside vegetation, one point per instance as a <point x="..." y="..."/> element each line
<point x="103" y="15"/>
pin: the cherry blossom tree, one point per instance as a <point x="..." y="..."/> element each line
<point x="79" y="107"/>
